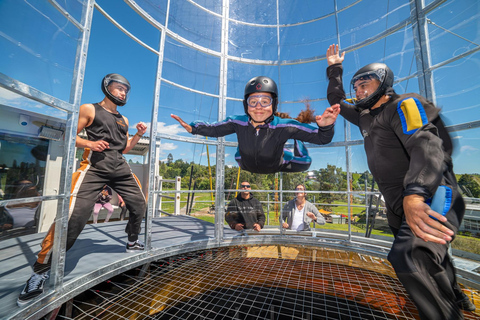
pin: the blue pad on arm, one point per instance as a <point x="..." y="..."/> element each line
<point x="441" y="200"/>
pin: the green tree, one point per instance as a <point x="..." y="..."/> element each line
<point x="469" y="185"/>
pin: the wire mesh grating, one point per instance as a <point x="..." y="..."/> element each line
<point x="254" y="282"/>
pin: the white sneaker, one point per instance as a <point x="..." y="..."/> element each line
<point x="136" y="246"/>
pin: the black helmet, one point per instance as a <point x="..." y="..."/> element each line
<point x="377" y="71"/>
<point x="115" y="77"/>
<point x="261" y="84"/>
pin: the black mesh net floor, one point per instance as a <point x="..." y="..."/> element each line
<point x="254" y="282"/>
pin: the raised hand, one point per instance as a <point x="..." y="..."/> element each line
<point x="334" y="56"/>
<point x="141" y="128"/>
<point x="329" y="116"/>
<point x="182" y="123"/>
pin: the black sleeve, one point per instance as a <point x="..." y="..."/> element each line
<point x="336" y="94"/>
<point x="215" y="129"/>
<point x="293" y="129"/>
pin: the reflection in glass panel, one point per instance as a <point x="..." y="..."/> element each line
<point x="40" y="53"/>
<point x="23" y="162"/>
<point x="23" y="218"/>
<point x="22" y="159"/>
<point x="195" y="24"/>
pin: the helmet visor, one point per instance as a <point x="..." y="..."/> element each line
<point x="365" y="84"/>
<point x="117" y="88"/>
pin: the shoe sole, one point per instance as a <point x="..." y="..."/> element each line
<point x="21" y="303"/>
<point x="134" y="250"/>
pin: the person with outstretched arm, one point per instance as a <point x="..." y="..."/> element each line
<point x="262" y="135"/>
<point x="409" y="155"/>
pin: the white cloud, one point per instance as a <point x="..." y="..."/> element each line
<point x="468" y="148"/>
<point x="167" y="146"/>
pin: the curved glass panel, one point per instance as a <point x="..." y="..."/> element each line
<point x="453" y="30"/>
<point x="212" y="48"/>
<point x="131" y="21"/>
<point x="295" y="45"/>
<point x="305" y="81"/>
<point x="302" y="11"/>
<point x="190" y="68"/>
<point x="135" y="62"/>
<point x="264" y="14"/>
<point x="188" y="105"/>
<point x="156" y="9"/>
<point x="245" y="41"/>
<point x="355" y="28"/>
<point x="40" y="53"/>
<point x="73" y="8"/>
<point x="458" y="96"/>
<point x="195" y="24"/>
<point x="240" y="73"/>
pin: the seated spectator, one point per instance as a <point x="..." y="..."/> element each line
<point x="298" y="212"/>
<point x="245" y="211"/>
<point x="103" y="201"/>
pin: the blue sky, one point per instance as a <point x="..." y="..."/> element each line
<point x="40" y="51"/>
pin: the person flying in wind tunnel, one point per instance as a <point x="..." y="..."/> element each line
<point x="409" y="154"/>
<point x="262" y="135"/>
<point x="103" y="164"/>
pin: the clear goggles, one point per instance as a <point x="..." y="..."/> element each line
<point x="264" y="101"/>
<point x="378" y="74"/>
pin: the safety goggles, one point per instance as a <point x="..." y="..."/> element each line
<point x="265" y="101"/>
